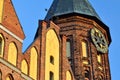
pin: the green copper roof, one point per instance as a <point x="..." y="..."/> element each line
<point x="61" y="7"/>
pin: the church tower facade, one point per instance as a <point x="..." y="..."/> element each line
<point x="71" y="43"/>
<point x="87" y="38"/>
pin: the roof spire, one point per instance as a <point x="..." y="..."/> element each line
<point x="62" y="7"/>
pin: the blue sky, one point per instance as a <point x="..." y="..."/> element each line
<point x="30" y="11"/>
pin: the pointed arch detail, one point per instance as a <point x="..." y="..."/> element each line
<point x="68" y="75"/>
<point x="84" y="48"/>
<point x="2" y="42"/>
<point x="9" y="77"/>
<point x="24" y="66"/>
<point x="52" y="49"/>
<point x="12" y="53"/>
<point x="33" y="63"/>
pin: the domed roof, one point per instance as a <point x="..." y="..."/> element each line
<point x="62" y="7"/>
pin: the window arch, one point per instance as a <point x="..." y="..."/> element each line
<point x="1" y="45"/>
<point x="68" y="48"/>
<point x="52" y="49"/>
<point x="68" y="75"/>
<point x="24" y="67"/>
<point x="33" y="63"/>
<point x="84" y="49"/>
<point x="51" y="75"/>
<point x="9" y="77"/>
<point x="12" y="53"/>
<point x="99" y="58"/>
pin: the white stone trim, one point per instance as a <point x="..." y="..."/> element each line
<point x="15" y="69"/>
<point x="9" y="65"/>
<point x="9" y="32"/>
<point x="26" y="77"/>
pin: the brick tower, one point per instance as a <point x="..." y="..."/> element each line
<point x="71" y="43"/>
<point x="87" y="38"/>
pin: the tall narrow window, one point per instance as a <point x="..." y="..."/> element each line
<point x="84" y="49"/>
<point x="51" y="76"/>
<point x="1" y="45"/>
<point x="51" y="59"/>
<point x="33" y="63"/>
<point x="24" y="67"/>
<point x="52" y="52"/>
<point x="12" y="53"/>
<point x="68" y="75"/>
<point x="68" y="51"/>
<point x="99" y="58"/>
<point x="68" y="48"/>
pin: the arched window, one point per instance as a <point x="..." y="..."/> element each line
<point x="84" y="49"/>
<point x="99" y="58"/>
<point x="51" y="59"/>
<point x="9" y="77"/>
<point x="12" y="53"/>
<point x="24" y="67"/>
<point x="1" y="45"/>
<point x="33" y="63"/>
<point x="68" y="49"/>
<point x="51" y="75"/>
<point x="68" y="75"/>
<point x="52" y="55"/>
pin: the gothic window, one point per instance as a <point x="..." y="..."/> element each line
<point x="51" y="76"/>
<point x="99" y="58"/>
<point x="68" y="51"/>
<point x="84" y="49"/>
<point x="9" y="77"/>
<point x="51" y="59"/>
<point x="24" y="67"/>
<point x="68" y="75"/>
<point x="1" y="45"/>
<point x="52" y="55"/>
<point x="12" y="53"/>
<point x="87" y="75"/>
<point x="33" y="63"/>
<point x="68" y="48"/>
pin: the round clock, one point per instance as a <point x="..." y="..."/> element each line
<point x="99" y="40"/>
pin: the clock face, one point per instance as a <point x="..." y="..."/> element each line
<point x="99" y="40"/>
